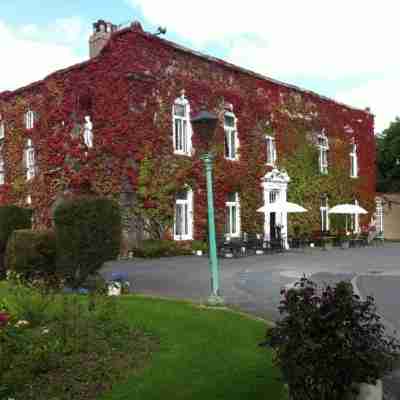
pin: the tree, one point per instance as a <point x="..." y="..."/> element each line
<point x="388" y="158"/>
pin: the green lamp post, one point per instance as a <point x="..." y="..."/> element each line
<point x="204" y="124"/>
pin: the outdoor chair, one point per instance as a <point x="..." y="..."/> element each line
<point x="254" y="243"/>
<point x="234" y="246"/>
<point x="276" y="245"/>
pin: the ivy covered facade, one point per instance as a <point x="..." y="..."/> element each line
<point x="119" y="124"/>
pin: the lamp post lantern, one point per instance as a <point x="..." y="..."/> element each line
<point x="204" y="124"/>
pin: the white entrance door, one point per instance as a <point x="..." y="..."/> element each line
<point x="274" y="185"/>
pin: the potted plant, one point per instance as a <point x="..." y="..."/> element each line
<point x="199" y="248"/>
<point x="329" y="344"/>
<point x="343" y="239"/>
<point x="119" y="284"/>
<point x="326" y="240"/>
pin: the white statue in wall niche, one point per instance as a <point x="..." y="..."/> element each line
<point x="88" y="132"/>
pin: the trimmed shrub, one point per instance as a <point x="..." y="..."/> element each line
<point x="153" y="248"/>
<point x="329" y="341"/>
<point x="31" y="254"/>
<point x="11" y="218"/>
<point x="88" y="233"/>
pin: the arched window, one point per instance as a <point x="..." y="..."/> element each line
<point x="30" y="118"/>
<point x="323" y="147"/>
<point x="231" y="136"/>
<point x="30" y="160"/>
<point x="183" y="218"/>
<point x="353" y="160"/>
<point x="182" y="132"/>
<point x="271" y="150"/>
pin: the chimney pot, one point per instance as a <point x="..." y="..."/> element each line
<point x="102" y="32"/>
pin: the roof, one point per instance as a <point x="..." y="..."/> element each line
<point x="137" y="28"/>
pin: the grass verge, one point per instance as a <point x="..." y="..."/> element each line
<point x="201" y="353"/>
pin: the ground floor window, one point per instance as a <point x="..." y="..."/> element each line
<point x="232" y="210"/>
<point x="355" y="223"/>
<point x="324" y="214"/>
<point x="379" y="216"/>
<point x="183" y="221"/>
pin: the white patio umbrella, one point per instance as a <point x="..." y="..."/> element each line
<point x="282" y="207"/>
<point x="347" y="209"/>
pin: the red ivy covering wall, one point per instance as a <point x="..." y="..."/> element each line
<point x="128" y="90"/>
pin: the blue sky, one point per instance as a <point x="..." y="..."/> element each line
<point x="344" y="50"/>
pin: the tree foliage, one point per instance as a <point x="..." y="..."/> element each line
<point x="388" y="158"/>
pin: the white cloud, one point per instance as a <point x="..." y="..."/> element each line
<point x="381" y="96"/>
<point x="29" y="54"/>
<point x="333" y="41"/>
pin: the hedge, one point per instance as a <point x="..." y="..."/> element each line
<point x="88" y="233"/>
<point x="31" y="254"/>
<point x="11" y="218"/>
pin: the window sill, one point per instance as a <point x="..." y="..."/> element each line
<point x="268" y="164"/>
<point x="231" y="159"/>
<point x="181" y="238"/>
<point x="230" y="236"/>
<point x="181" y="153"/>
<point x="354" y="177"/>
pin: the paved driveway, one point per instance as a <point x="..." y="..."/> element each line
<point x="252" y="284"/>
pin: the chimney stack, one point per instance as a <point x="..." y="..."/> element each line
<point x="102" y="32"/>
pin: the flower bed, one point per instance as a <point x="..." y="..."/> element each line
<point x="65" y="346"/>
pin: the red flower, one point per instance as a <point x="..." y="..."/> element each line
<point x="4" y="318"/>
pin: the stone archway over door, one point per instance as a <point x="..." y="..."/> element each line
<point x="274" y="185"/>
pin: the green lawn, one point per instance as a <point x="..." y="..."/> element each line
<point x="204" y="354"/>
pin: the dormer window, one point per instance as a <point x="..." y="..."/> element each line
<point x="182" y="132"/>
<point x="271" y="150"/>
<point x="353" y="160"/>
<point x="323" y="147"/>
<point x="29" y="119"/>
<point x="30" y="160"/>
<point x="231" y="136"/>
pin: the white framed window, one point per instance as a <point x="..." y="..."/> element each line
<point x="2" y="171"/>
<point x="273" y="196"/>
<point x="379" y="216"/>
<point x="182" y="130"/>
<point x="30" y="160"/>
<point x="355" y="220"/>
<point x="353" y="161"/>
<point x="231" y="136"/>
<point x="2" y="129"/>
<point x="324" y="208"/>
<point x="271" y="150"/>
<point x="183" y="218"/>
<point x="323" y="147"/>
<point x="232" y="222"/>
<point x="29" y="119"/>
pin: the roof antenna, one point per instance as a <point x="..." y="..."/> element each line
<point x="161" y="31"/>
